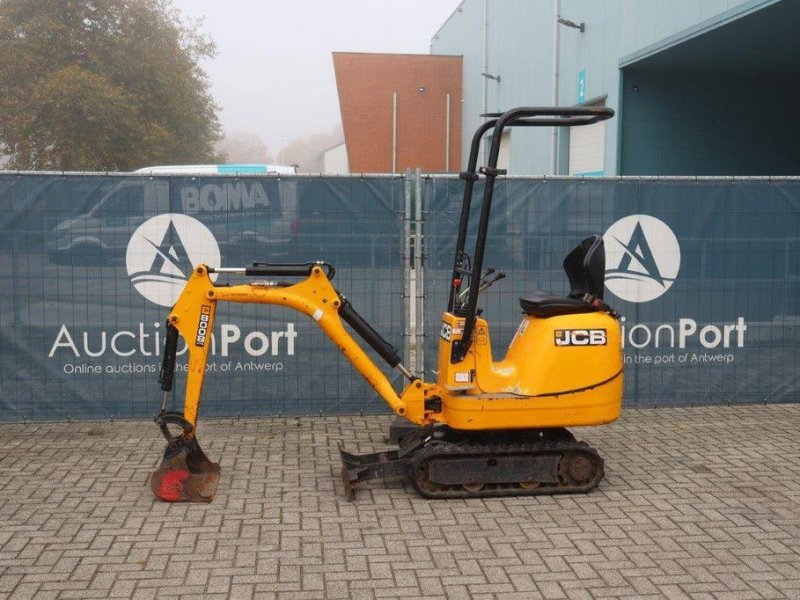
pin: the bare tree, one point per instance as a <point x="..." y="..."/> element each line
<point x="244" y="147"/>
<point x="307" y="152"/>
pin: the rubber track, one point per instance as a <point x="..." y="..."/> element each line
<point x="561" y="448"/>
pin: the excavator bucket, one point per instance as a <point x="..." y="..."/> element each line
<point x="185" y="473"/>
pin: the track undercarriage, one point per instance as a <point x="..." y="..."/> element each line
<point x="445" y="463"/>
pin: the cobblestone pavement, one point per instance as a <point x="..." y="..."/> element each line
<point x="697" y="502"/>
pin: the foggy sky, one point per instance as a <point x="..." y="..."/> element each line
<point x="273" y="73"/>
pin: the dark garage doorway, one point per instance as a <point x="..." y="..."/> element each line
<point x="718" y="100"/>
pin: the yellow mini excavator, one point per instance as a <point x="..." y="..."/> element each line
<point x="484" y="427"/>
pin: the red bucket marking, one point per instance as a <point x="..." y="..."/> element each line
<point x="171" y="488"/>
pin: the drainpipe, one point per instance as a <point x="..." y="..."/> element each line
<point x="394" y="132"/>
<point x="485" y="66"/>
<point x="447" y="136"/>
<point x="554" y="99"/>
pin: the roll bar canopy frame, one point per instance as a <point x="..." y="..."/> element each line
<point x="568" y="116"/>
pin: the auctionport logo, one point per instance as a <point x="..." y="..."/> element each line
<point x="162" y="253"/>
<point x="643" y="258"/>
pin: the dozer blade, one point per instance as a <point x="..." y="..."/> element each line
<point x="390" y="464"/>
<point x="358" y="468"/>
<point x="185" y="473"/>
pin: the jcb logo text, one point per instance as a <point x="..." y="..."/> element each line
<point x="580" y="337"/>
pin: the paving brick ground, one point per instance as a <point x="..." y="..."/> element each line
<point x="700" y="503"/>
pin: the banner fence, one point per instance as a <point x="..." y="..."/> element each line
<point x="704" y="271"/>
<point x="93" y="263"/>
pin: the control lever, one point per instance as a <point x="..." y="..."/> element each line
<point x="489" y="282"/>
<point x="484" y="282"/>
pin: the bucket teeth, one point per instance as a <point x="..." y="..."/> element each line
<point x="185" y="473"/>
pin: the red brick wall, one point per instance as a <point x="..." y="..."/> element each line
<point x="366" y="83"/>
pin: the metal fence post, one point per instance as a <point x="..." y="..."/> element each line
<point x="419" y="266"/>
<point x="408" y="358"/>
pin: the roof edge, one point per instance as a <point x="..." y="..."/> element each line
<point x="719" y="20"/>
<point x="419" y="55"/>
<point x="457" y="9"/>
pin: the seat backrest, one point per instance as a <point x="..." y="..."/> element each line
<point x="586" y="268"/>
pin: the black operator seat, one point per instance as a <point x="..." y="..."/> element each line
<point x="585" y="267"/>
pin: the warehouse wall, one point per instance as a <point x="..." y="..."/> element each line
<point x="644" y="23"/>
<point x="520" y="41"/>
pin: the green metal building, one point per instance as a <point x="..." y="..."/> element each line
<point x="701" y="87"/>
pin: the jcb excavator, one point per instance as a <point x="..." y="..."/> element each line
<point x="485" y="427"/>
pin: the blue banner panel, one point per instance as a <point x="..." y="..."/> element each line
<point x="704" y="272"/>
<point x="91" y="265"/>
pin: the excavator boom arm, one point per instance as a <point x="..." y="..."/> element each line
<point x="193" y="317"/>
